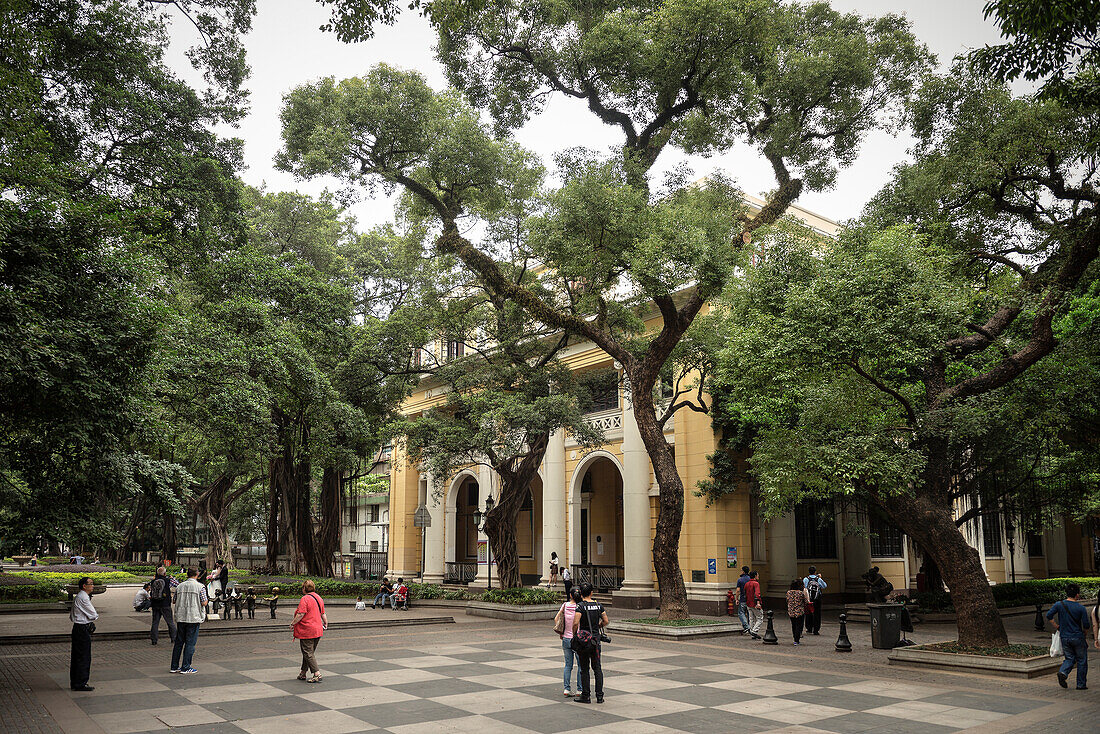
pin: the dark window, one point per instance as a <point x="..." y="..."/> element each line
<point x="1034" y="545"/>
<point x="373" y="513"/>
<point x="603" y="389"/>
<point x="374" y="546"/>
<point x="815" y="529"/>
<point x="471" y="494"/>
<point x="886" y="540"/>
<point x="351" y="546"/>
<point x="353" y="515"/>
<point x="991" y="534"/>
<point x="455" y="349"/>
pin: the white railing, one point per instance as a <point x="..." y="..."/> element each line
<point x="608" y="420"/>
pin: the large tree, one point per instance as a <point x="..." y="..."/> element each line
<point x="110" y="177"/>
<point x="908" y="364"/>
<point x="800" y="84"/>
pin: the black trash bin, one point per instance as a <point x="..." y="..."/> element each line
<point x="885" y="625"/>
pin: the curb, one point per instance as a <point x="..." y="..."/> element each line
<point x="208" y="630"/>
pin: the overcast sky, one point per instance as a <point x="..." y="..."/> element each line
<point x="285" y="49"/>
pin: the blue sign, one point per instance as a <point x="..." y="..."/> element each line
<point x="712" y="565"/>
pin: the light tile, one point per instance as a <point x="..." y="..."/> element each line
<point x="640" y="706"/>
<point x="236" y="692"/>
<point x="127" y="722"/>
<point x="480" y="703"/>
<point x="183" y="716"/>
<point x="890" y="689"/>
<point x="761" y="686"/>
<point x="428" y="661"/>
<point x="625" y="727"/>
<point x="803" y="714"/>
<point x="639" y="653"/>
<point x="641" y="683"/>
<point x="130" y="685"/>
<point x="352" y="697"/>
<point x="916" y="710"/>
<point x="514" y="680"/>
<point x="748" y="670"/>
<point x="464" y="725"/>
<point x="758" y="706"/>
<point x="396" y="677"/>
<point x="527" y="664"/>
<point x="637" y="666"/>
<point x="447" y="649"/>
<point x="266" y="675"/>
<point x="314" y="722"/>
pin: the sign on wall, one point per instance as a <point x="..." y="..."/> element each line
<point x="712" y="565"/>
<point x="731" y="556"/>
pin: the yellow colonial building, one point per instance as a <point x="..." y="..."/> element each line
<point x="597" y="509"/>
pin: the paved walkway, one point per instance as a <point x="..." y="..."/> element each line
<point x="489" y="676"/>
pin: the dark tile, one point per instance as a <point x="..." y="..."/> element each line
<point x="366" y="666"/>
<point x="1000" y="704"/>
<point x="224" y="727"/>
<point x="914" y="727"/>
<point x="416" y="711"/>
<point x="552" y="693"/>
<point x="395" y="655"/>
<point x="810" y="678"/>
<point x="680" y="661"/>
<point x="854" y="722"/>
<point x="250" y="663"/>
<point x="96" y="704"/>
<point x="441" y="687"/>
<point x="204" y="680"/>
<point x="255" y="708"/>
<point x="687" y="675"/>
<point x="708" y="721"/>
<point x="703" y="695"/>
<point x="841" y="699"/>
<point x="331" y="683"/>
<point x="562" y="716"/>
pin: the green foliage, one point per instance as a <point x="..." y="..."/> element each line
<point x="99" y="577"/>
<point x="1022" y="593"/>
<point x="25" y="593"/>
<point x="1001" y="651"/>
<point x="521" y="596"/>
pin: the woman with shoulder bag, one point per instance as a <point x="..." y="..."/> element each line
<point x="563" y="625"/>
<point x="309" y="623"/>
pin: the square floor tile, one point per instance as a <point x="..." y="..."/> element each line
<point x="362" y="696"/>
<point x="126" y="722"/>
<point x="640" y="706"/>
<point x="120" y="686"/>
<point x="484" y="656"/>
<point x="747" y="670"/>
<point x="810" y="678"/>
<point x="464" y="725"/>
<point x="911" y="710"/>
<point x="964" y="718"/>
<point x="701" y="695"/>
<point x="891" y="689"/>
<point x="986" y="702"/>
<point x="639" y="653"/>
<point x="355" y="666"/>
<point x="840" y="699"/>
<point x="499" y="700"/>
<point x="529" y="664"/>
<point x="205" y="678"/>
<point x="808" y="715"/>
<point x="329" y="682"/>
<point x="447" y="649"/>
<point x="185" y="716"/>
<point x="760" y="686"/>
<point x="237" y="692"/>
<point x="399" y="713"/>
<point x="247" y="662"/>
<point x="396" y="677"/>
<point x="443" y="687"/>
<point x="852" y="723"/>
<point x="557" y="717"/>
<point x="687" y="675"/>
<point x="130" y="702"/>
<point x="469" y="670"/>
<point x="637" y="666"/>
<point x="626" y="727"/>
<point x="319" y="722"/>
<point x="640" y="683"/>
<point x="426" y="661"/>
<point x="709" y="720"/>
<point x="513" y="680"/>
<point x="258" y="708"/>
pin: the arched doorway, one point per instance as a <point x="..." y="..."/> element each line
<point x="597" y="523"/>
<point x="461" y="536"/>
<point x="529" y="546"/>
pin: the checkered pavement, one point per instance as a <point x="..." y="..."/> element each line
<point x="514" y="686"/>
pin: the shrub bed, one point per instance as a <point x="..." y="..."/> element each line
<point x="678" y="622"/>
<point x="42" y="591"/>
<point x="1005" y="651"/>
<point x="1025" y="593"/>
<point x="521" y="597"/>
<point x="71" y="577"/>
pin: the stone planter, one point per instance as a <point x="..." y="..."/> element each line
<point x="917" y="656"/>
<point x="722" y="629"/>
<point x="512" y="612"/>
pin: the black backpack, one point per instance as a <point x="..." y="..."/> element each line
<point x="813" y="588"/>
<point x="159" y="589"/>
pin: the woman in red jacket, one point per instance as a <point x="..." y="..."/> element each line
<point x="309" y="624"/>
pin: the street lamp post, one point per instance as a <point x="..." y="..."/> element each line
<point x="481" y="520"/>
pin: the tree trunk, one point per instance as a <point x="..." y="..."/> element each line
<point x="501" y="531"/>
<point x="169" y="544"/>
<point x="328" y="534"/>
<point x="670" y="513"/>
<point x="927" y="518"/>
<point x="273" y="536"/>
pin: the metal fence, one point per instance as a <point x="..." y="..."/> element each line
<point x="603" y="578"/>
<point x="370" y="565"/>
<point x="459" y="573"/>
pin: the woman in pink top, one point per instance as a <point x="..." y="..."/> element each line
<point x="568" y="610"/>
<point x="309" y="624"/>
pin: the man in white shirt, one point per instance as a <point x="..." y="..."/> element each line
<point x="190" y="610"/>
<point x="83" y="616"/>
<point x="141" y="599"/>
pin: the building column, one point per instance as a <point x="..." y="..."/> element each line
<point x="434" y="539"/>
<point x="484" y="489"/>
<point x="637" y="588"/>
<point x="782" y="560"/>
<point x="553" y="504"/>
<point x="1020" y="557"/>
<point x="857" y="560"/>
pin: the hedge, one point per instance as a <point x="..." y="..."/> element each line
<point x="41" y="591"/>
<point x="1024" y="593"/>
<point x="101" y="577"/>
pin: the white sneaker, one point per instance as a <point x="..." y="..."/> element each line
<point x="567" y="692"/>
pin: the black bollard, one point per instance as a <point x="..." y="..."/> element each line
<point x="1040" y="623"/>
<point x="843" y="644"/>
<point x="769" y="634"/>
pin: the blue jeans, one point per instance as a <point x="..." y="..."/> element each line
<point x="187" y="634"/>
<point x="570" y="657"/>
<point x="381" y="599"/>
<point x="743" y="615"/>
<point x="1076" y="650"/>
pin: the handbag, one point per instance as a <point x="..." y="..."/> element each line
<point x="559" y="621"/>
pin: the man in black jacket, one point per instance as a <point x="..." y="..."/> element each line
<point x="160" y="595"/>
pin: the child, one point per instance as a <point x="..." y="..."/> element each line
<point x="237" y="603"/>
<point x="401" y="595"/>
<point x="360" y="605"/>
<point x="273" y="600"/>
<point x="218" y="603"/>
<point x="250" y="602"/>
